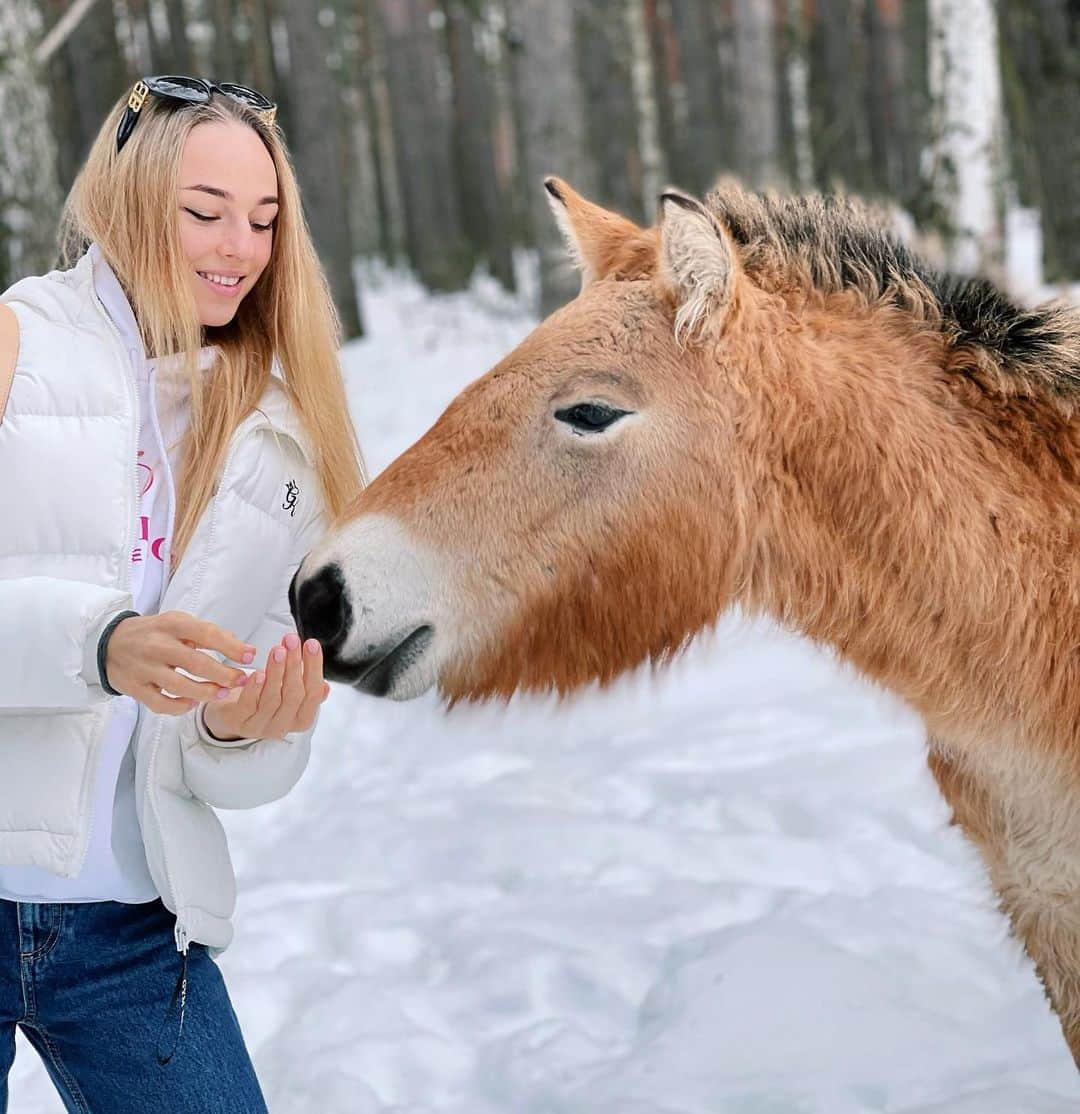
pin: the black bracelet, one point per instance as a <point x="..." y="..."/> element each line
<point x="103" y="645"/>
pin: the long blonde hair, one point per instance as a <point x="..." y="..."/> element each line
<point x="125" y="203"/>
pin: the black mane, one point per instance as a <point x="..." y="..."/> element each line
<point x="836" y="243"/>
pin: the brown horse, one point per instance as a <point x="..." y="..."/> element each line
<point x="767" y="402"/>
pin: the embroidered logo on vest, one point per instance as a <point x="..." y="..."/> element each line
<point x="292" y="493"/>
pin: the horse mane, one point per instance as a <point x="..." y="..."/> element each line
<point x="834" y="243"/>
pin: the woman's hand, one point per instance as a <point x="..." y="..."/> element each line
<point x="282" y="698"/>
<point x="145" y="652"/>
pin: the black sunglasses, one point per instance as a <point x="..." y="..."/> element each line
<point x="189" y="90"/>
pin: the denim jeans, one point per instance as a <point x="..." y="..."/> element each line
<point x="91" y="985"/>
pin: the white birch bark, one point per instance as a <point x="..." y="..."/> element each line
<point x="653" y="169"/>
<point x="967" y="151"/>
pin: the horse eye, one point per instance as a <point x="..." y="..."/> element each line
<point x="590" y="417"/>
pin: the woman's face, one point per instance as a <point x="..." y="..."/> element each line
<point x="227" y="207"/>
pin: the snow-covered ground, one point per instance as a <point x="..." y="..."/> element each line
<point x="729" y="889"/>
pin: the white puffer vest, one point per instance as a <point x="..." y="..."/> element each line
<point x="68" y="491"/>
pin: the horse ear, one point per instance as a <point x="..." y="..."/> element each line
<point x="697" y="258"/>
<point x="593" y="235"/>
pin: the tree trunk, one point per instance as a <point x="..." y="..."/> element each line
<point x="378" y="126"/>
<point x="1041" y="54"/>
<point x="225" y="68"/>
<point x="317" y="149"/>
<point x="179" y="49"/>
<point x="664" y="57"/>
<point x="87" y="76"/>
<point x="888" y="101"/>
<point x="706" y="145"/>
<point x="757" y="117"/>
<point x="29" y="193"/>
<point x="796" y="132"/>
<point x="553" y="132"/>
<point x="423" y="147"/>
<point x="965" y="80"/>
<point x="841" y="144"/>
<point x="483" y="207"/>
<point x="604" y="66"/>
<point x="653" y="163"/>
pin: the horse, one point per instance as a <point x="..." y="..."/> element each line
<point x="766" y="402"/>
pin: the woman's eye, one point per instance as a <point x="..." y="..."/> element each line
<point x="590" y="417"/>
<point x="262" y="227"/>
<point x="200" y="216"/>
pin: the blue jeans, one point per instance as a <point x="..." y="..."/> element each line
<point x="91" y="986"/>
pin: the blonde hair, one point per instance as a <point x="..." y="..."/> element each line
<point x="124" y="202"/>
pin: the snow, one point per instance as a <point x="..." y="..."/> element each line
<point x="726" y="889"/>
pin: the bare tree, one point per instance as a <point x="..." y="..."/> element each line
<point x="316" y="143"/>
<point x="967" y="177"/>
<point x="605" y="62"/>
<point x="643" y="75"/>
<point x="705" y="140"/>
<point x="86" y="76"/>
<point x="179" y="49"/>
<point x="552" y="118"/>
<point x="423" y="146"/>
<point x="1041" y="47"/>
<point x="29" y="192"/>
<point x="757" y="107"/>
<point x="483" y="207"/>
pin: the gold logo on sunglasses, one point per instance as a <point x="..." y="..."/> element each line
<point x="138" y="96"/>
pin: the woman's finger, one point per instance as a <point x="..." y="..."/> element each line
<point x="209" y="636"/>
<point x="202" y="665"/>
<point x="314" y="686"/>
<point x="153" y="698"/>
<point x="292" y="689"/>
<point x="177" y="684"/>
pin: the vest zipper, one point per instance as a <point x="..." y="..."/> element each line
<point x="125" y="558"/>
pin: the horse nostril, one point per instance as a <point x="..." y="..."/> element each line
<point x="322" y="608"/>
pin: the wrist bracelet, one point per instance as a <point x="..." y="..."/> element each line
<point x="103" y="645"/>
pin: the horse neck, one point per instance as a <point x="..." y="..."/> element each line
<point x="911" y="530"/>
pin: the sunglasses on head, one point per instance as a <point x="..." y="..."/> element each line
<point x="189" y="90"/>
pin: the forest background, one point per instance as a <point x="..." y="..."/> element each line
<point x="421" y="129"/>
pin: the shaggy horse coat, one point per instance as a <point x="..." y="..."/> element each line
<point x="771" y="403"/>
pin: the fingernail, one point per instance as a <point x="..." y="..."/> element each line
<point x="221" y="694"/>
<point x="279" y="654"/>
<point x="292" y="642"/>
<point x="248" y="657"/>
<point x="243" y="680"/>
<point x="311" y="646"/>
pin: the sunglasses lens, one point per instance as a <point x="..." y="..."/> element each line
<point x="191" y="89"/>
<point x="242" y="93"/>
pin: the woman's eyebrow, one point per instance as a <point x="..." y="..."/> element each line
<point x="226" y="196"/>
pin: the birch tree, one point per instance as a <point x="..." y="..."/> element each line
<point x="967" y="170"/>
<point x="29" y="190"/>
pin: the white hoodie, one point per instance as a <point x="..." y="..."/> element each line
<point x="68" y="495"/>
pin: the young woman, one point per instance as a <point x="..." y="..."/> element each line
<point x="175" y="437"/>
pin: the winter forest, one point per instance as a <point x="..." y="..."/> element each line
<point x="730" y="886"/>
<point x="422" y="128"/>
